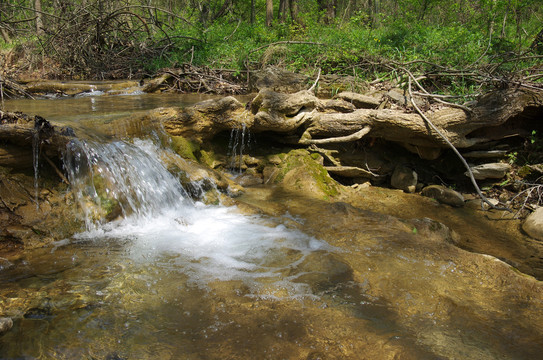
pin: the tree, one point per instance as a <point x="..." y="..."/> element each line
<point x="269" y="12"/>
<point x="39" y="19"/>
<point x="329" y="8"/>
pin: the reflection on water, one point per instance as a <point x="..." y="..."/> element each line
<point x="177" y="279"/>
<point x="81" y="108"/>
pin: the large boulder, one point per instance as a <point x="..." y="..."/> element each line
<point x="32" y="217"/>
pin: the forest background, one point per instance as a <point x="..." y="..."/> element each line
<point x="472" y="44"/>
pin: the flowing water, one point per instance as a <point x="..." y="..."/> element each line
<point x="173" y="278"/>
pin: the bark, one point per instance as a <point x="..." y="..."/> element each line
<point x="329" y="9"/>
<point x="294" y="10"/>
<point x="304" y="119"/>
<point x="5" y="34"/>
<point x="39" y="20"/>
<point x="282" y="13"/>
<point x="253" y="11"/>
<point x="269" y="12"/>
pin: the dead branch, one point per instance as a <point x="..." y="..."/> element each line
<point x="312" y="88"/>
<point x="464" y="162"/>
<point x="55" y="168"/>
<point x="353" y="137"/>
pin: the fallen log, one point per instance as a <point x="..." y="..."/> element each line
<point x="304" y="119"/>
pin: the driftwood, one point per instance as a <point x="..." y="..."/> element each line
<point x="303" y="119"/>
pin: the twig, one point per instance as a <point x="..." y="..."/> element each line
<point x="353" y="137"/>
<point x="466" y="165"/>
<point x="59" y="173"/>
<point x="226" y="38"/>
<point x="411" y="76"/>
<point x="312" y="88"/>
<point x="2" y="94"/>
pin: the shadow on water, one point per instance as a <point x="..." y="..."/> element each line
<point x="295" y="277"/>
<point x="454" y="303"/>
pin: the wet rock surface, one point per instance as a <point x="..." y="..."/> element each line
<point x="32" y="217"/>
<point x="444" y="195"/>
<point x="5" y="325"/>
<point x="533" y="225"/>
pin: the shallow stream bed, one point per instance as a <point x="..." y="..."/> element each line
<point x="279" y="276"/>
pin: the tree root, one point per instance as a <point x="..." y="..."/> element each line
<point x="464" y="162"/>
<point x="353" y="137"/>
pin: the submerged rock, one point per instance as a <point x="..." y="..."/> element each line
<point x="5" y="324"/>
<point x="444" y="195"/>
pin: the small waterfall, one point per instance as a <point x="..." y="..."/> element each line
<point x="240" y="141"/>
<point x="120" y="179"/>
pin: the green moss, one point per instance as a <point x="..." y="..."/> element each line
<point x="110" y="206"/>
<point x="185" y="148"/>
<point x="301" y="160"/>
<point x="208" y="158"/>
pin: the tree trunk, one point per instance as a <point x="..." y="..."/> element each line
<point x="253" y="11"/>
<point x="425" y="4"/>
<point x="282" y="13"/>
<point x="5" y="35"/>
<point x="294" y="11"/>
<point x="301" y="118"/>
<point x="329" y="8"/>
<point x="269" y="12"/>
<point x="39" y="20"/>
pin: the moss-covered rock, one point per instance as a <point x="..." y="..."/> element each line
<point x="185" y="148"/>
<point x="304" y="172"/>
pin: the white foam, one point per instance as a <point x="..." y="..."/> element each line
<point x="207" y="242"/>
<point x="213" y="242"/>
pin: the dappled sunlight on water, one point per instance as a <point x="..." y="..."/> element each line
<point x="279" y="276"/>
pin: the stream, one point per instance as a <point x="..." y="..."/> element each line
<point x="279" y="276"/>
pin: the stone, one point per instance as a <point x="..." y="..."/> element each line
<point x="404" y="178"/>
<point x="274" y="159"/>
<point x="278" y="80"/>
<point x="486" y="154"/>
<point x="424" y="152"/>
<point x="432" y="230"/>
<point x="489" y="171"/>
<point x="5" y="324"/>
<point x="444" y="195"/>
<point x="533" y="225"/>
<point x="478" y="204"/>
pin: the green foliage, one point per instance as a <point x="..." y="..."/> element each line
<point x="220" y="34"/>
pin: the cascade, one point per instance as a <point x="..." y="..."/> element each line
<point x="128" y="183"/>
<point x="240" y="141"/>
<point x="120" y="178"/>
